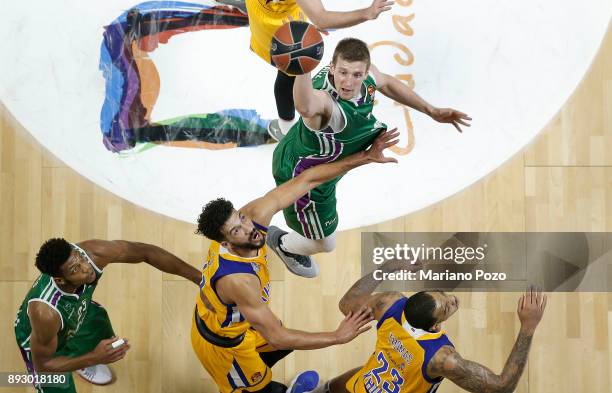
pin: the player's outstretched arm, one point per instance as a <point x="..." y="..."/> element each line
<point x="46" y="324"/>
<point x="325" y="19"/>
<point x="475" y="377"/>
<point x="315" y="106"/>
<point x="246" y="294"/>
<point x="360" y="294"/>
<point x="399" y="92"/>
<point x="262" y="209"/>
<point x="121" y="251"/>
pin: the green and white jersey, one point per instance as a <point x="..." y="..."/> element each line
<point x="352" y="126"/>
<point x="71" y="307"/>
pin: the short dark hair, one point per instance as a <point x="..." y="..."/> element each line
<point x="352" y="49"/>
<point x="213" y="217"/>
<point x="419" y="310"/>
<point x="52" y="255"/>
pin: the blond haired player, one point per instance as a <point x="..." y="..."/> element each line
<point x="266" y="16"/>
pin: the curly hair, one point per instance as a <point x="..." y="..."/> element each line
<point x="419" y="310"/>
<point x="352" y="49"/>
<point x="212" y="218"/>
<point x="52" y="255"/>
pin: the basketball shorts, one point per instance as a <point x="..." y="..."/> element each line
<point x="95" y="328"/>
<point x="235" y="368"/>
<point x="264" y="23"/>
<point x="314" y="215"/>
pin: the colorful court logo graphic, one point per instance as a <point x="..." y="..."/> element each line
<point x="133" y="82"/>
<point x="99" y="85"/>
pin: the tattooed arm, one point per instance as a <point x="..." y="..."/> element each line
<point x="475" y="377"/>
<point x="360" y="294"/>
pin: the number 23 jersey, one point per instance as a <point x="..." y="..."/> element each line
<point x="399" y="362"/>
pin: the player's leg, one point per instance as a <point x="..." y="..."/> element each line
<point x="283" y="94"/>
<point x="95" y="327"/>
<point x="314" y="219"/>
<point x="268" y="353"/>
<point x="297" y="244"/>
<point x="238" y="368"/>
<point x="67" y="387"/>
<point x="345" y="383"/>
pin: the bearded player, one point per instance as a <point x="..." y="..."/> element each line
<point x="266" y="16"/>
<point x="413" y="354"/>
<point x="336" y="120"/>
<point x="59" y="327"/>
<point x="234" y="333"/>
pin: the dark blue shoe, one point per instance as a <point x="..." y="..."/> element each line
<point x="304" y="382"/>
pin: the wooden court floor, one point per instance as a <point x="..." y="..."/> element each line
<point x="561" y="182"/>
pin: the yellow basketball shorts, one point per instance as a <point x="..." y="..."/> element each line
<point x="239" y="368"/>
<point x="264" y="23"/>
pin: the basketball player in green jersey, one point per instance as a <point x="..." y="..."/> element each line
<point x="336" y="121"/>
<point x="59" y="328"/>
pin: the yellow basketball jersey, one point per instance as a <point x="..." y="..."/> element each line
<point x="277" y="6"/>
<point x="265" y="17"/>
<point x="399" y="362"/>
<point x="225" y="319"/>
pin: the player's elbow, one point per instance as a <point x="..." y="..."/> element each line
<point x="279" y="342"/>
<point x="42" y="366"/>
<point x="345" y="304"/>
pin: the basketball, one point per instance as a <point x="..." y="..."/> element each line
<point x="297" y="48"/>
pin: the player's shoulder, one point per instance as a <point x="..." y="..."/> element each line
<point x="43" y="314"/>
<point x="387" y="305"/>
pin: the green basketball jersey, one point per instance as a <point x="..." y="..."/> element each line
<point x="71" y="307"/>
<point x="304" y="147"/>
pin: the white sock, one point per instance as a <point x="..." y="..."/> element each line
<point x="295" y="243"/>
<point x="285" y="125"/>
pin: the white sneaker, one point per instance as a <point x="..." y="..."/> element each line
<point x="100" y="374"/>
<point x="301" y="265"/>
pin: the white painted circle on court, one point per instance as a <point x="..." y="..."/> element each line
<point x="510" y="65"/>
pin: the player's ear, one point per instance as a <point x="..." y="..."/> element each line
<point x="59" y="280"/>
<point x="225" y="244"/>
<point x="436" y="328"/>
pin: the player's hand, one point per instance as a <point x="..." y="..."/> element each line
<point x="104" y="353"/>
<point x="353" y="325"/>
<point x="383" y="141"/>
<point x="449" y="115"/>
<point x="531" y="306"/>
<point x="377" y="7"/>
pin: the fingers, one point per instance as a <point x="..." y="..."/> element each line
<point x="364" y="329"/>
<point x="364" y="312"/>
<point x="544" y="301"/>
<point x="521" y="303"/>
<point x="390" y="143"/>
<point x="457" y="127"/>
